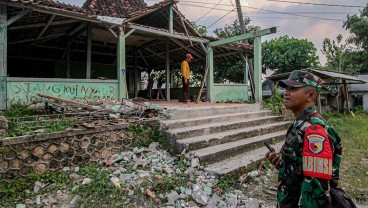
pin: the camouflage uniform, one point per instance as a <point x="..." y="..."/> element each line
<point x="310" y="158"/>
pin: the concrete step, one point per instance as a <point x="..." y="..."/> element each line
<point x="220" y="152"/>
<point x="187" y="122"/>
<point x="240" y="163"/>
<point x="212" y="110"/>
<point x="204" y="141"/>
<point x="205" y="129"/>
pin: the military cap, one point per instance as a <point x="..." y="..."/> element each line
<point x="300" y="78"/>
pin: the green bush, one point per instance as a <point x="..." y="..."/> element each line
<point x="274" y="103"/>
<point x="18" y="110"/>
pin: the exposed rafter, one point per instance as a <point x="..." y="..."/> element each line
<point x="154" y="53"/>
<point x="77" y="29"/>
<point x="46" y="27"/>
<point x="18" y="16"/>
<point x="177" y="42"/>
<point x="173" y="50"/>
<point x="165" y="33"/>
<point x="49" y="37"/>
<point x="61" y="22"/>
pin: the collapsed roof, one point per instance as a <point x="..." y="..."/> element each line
<point x="47" y="28"/>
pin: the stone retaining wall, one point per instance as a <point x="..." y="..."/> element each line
<point x="20" y="156"/>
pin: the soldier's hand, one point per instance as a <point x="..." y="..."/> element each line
<point x="273" y="158"/>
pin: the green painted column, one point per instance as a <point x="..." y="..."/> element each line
<point x="89" y="51"/>
<point x="3" y="55"/>
<point x="258" y="69"/>
<point x="167" y="63"/>
<point x="171" y="19"/>
<point x="210" y="76"/>
<point x="121" y="68"/>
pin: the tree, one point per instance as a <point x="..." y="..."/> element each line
<point x="334" y="52"/>
<point x="231" y="70"/>
<point x="287" y="54"/>
<point x="234" y="29"/>
<point x="339" y="56"/>
<point x="199" y="28"/>
<point x="357" y="25"/>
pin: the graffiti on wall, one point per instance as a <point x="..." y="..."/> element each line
<point x="26" y="92"/>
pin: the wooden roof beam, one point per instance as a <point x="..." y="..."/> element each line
<point x="165" y="33"/>
<point x="77" y="29"/>
<point x="61" y="22"/>
<point x="45" y="38"/>
<point x="18" y="16"/>
<point x="154" y="53"/>
<point x="46" y="27"/>
<point x="177" y="42"/>
<point x="177" y="49"/>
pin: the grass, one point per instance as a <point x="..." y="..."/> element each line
<point x="145" y="136"/>
<point x="17" y="128"/>
<point x="100" y="192"/>
<point x="22" y="128"/>
<point x="15" y="191"/>
<point x="354" y="167"/>
<point x="18" y="110"/>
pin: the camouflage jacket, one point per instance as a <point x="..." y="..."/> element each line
<point x="310" y="160"/>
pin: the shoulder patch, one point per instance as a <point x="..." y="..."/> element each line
<point x="317" y="153"/>
<point x="315" y="142"/>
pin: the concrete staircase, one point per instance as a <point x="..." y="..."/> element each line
<point x="227" y="140"/>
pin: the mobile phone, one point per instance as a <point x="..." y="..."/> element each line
<point x="269" y="147"/>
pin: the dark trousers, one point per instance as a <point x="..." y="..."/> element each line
<point x="185" y="90"/>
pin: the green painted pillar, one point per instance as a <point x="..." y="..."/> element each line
<point x="210" y="76"/>
<point x="167" y="63"/>
<point x="89" y="51"/>
<point x="3" y="55"/>
<point x="171" y="19"/>
<point x="121" y="65"/>
<point x="258" y="69"/>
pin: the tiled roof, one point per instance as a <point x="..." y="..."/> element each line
<point x="112" y="8"/>
<point x="115" y="8"/>
<point x="52" y="4"/>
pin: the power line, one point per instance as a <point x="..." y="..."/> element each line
<point x="209" y="11"/>
<point x="250" y="12"/>
<point x="272" y="11"/>
<point x="316" y="4"/>
<point x="220" y="18"/>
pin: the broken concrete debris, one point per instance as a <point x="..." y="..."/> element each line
<point x="136" y="171"/>
<point x="84" y="114"/>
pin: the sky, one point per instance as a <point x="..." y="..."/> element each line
<point x="322" y="21"/>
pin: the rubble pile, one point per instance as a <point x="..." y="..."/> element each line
<point x="143" y="171"/>
<point x="78" y="115"/>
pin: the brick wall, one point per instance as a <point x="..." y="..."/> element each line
<point x="20" y="156"/>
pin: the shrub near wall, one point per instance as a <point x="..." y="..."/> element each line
<point x="20" y="156"/>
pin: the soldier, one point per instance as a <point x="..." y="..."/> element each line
<point x="309" y="160"/>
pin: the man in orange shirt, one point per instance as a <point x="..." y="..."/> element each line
<point x="185" y="73"/>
